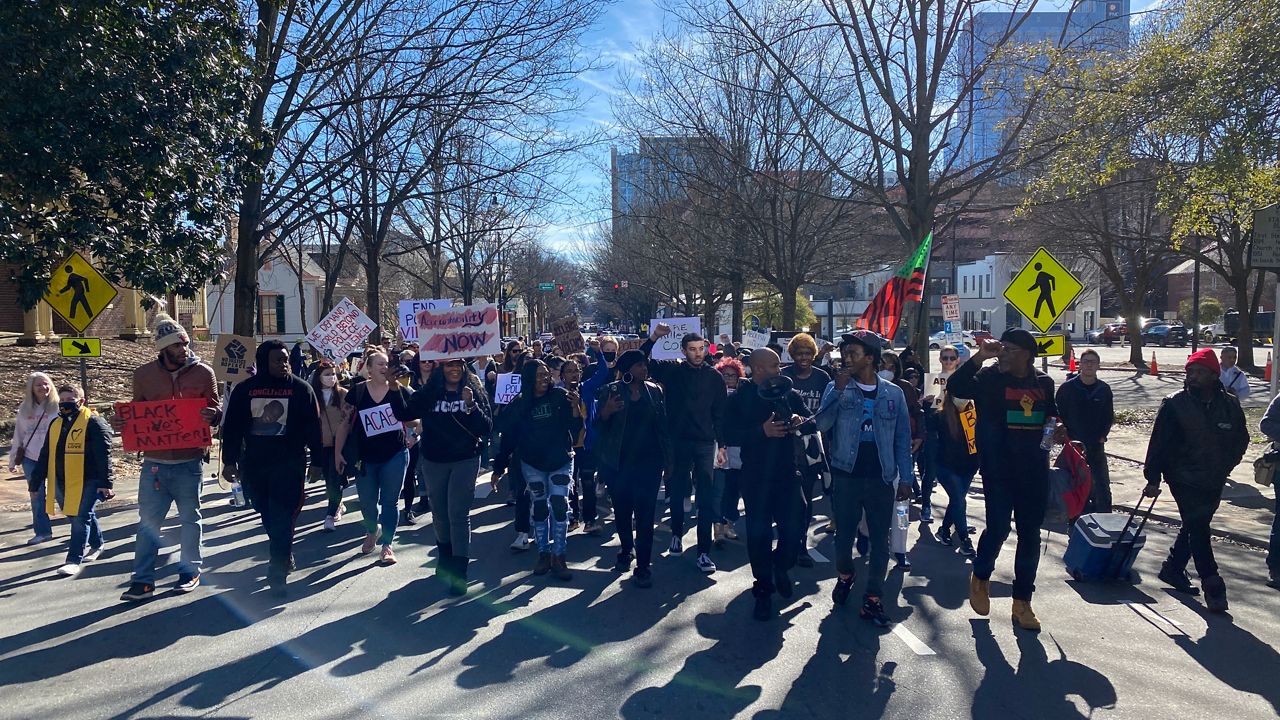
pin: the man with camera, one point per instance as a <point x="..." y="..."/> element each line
<point x="764" y="418"/>
<point x="870" y="463"/>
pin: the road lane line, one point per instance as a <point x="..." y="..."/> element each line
<point x="916" y="644"/>
<point x="1149" y="613"/>
<point x="817" y="556"/>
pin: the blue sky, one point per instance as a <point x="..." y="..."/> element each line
<point x="616" y="38"/>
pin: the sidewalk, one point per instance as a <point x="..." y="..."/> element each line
<point x="1247" y="508"/>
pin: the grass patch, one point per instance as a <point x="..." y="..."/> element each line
<point x="1135" y="416"/>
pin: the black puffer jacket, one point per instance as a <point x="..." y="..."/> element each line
<point x="1195" y="443"/>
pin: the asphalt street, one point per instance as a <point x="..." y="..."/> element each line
<point x="358" y="640"/>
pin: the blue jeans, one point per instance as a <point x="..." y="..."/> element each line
<point x="1273" y="550"/>
<point x="957" y="487"/>
<point x="378" y="488"/>
<point x="161" y="486"/>
<point x="39" y="517"/>
<point x="549" y="506"/>
<point x="85" y="532"/>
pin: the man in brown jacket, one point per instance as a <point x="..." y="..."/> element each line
<point x="170" y="476"/>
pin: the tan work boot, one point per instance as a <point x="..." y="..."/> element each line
<point x="1024" y="617"/>
<point x="980" y="595"/>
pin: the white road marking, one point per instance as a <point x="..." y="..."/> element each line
<point x="916" y="644"/>
<point x="817" y="556"/>
<point x="1148" y="612"/>
<point x="483" y="488"/>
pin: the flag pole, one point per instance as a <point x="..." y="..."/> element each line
<point x="922" y="312"/>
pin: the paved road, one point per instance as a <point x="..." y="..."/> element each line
<point x="358" y="640"/>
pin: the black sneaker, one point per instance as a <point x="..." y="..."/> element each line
<point x="421" y="507"/>
<point x="873" y="612"/>
<point x="139" y="591"/>
<point x="1178" y="580"/>
<point x="943" y="536"/>
<point x="844" y="586"/>
<point x="624" y="562"/>
<point x="764" y="608"/>
<point x="804" y="559"/>
<point x="1215" y="594"/>
<point x="277" y="586"/>
<point x="966" y="547"/>
<point x="643" y="577"/>
<point x="782" y="583"/>
<point x="187" y="582"/>
<point x="901" y="561"/>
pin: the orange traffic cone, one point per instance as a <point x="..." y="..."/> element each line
<point x="1155" y="369"/>
<point x="1267" y="373"/>
<point x="1071" y="366"/>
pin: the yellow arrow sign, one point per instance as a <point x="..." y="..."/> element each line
<point x="81" y="347"/>
<point x="78" y="292"/>
<point x="1051" y="345"/>
<point x="1043" y="290"/>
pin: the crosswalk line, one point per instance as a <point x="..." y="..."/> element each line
<point x="916" y="644"/>
<point x="817" y="556"/>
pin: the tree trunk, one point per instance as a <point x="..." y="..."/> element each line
<point x="788" y="299"/>
<point x="1133" y="319"/>
<point x="1246" y="359"/>
<point x="739" y="288"/>
<point x="246" y="278"/>
<point x="302" y="293"/>
<point x="1244" y="340"/>
<point x="710" y="329"/>
<point x="373" y="298"/>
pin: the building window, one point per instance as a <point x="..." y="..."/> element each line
<point x="966" y="283"/>
<point x="270" y="314"/>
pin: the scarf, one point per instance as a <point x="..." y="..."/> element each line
<point x="72" y="457"/>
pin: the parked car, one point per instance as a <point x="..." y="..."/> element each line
<point x="1109" y="333"/>
<point x="939" y="339"/>
<point x="1165" y="335"/>
<point x="1213" y="333"/>
<point x="981" y="336"/>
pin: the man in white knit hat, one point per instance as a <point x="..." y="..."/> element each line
<point x="170" y="476"/>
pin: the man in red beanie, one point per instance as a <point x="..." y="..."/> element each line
<point x="1198" y="438"/>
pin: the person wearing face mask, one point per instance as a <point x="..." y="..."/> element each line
<point x="380" y="423"/>
<point x="870" y="428"/>
<point x="543" y="425"/>
<point x="324" y="383"/>
<point x="1015" y="402"/>
<point x="31" y="426"/>
<point x="269" y="463"/>
<point x="633" y="447"/>
<point x="455" y="418"/>
<point x="1198" y="437"/>
<point x="75" y="462"/>
<point x="604" y="350"/>
<point x="170" y="477"/>
<point x="695" y="408"/>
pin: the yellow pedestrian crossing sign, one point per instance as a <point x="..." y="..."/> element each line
<point x="78" y="292"/>
<point x="1051" y="345"/>
<point x="1043" y="290"/>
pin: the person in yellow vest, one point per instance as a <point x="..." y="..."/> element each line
<point x="76" y="462"/>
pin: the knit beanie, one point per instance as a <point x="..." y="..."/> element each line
<point x="169" y="332"/>
<point x="1206" y="358"/>
<point x="1021" y="338"/>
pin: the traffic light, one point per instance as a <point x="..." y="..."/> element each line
<point x="616" y="286"/>
<point x="561" y="289"/>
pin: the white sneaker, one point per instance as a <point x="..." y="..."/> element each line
<point x="705" y="564"/>
<point x="330" y="523"/>
<point x="521" y="543"/>
<point x="93" y="554"/>
<point x="70" y="570"/>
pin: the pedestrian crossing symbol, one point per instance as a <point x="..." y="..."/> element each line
<point x="1043" y="290"/>
<point x="78" y="292"/>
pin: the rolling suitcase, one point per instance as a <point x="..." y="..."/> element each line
<point x="1103" y="546"/>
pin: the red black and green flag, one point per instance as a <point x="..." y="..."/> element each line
<point x="885" y="311"/>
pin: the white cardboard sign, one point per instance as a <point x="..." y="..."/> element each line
<point x="341" y="331"/>
<point x="668" y="347"/>
<point x="378" y="420"/>
<point x="507" y="389"/>
<point x="408" y="315"/>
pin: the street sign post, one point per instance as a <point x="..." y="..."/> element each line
<point x="1264" y="252"/>
<point x="950" y="307"/>
<point x="1043" y="290"/>
<point x="547" y="287"/>
<point x="78" y="292"/>
<point x="81" y="347"/>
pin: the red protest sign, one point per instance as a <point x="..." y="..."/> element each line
<point x="164" y="425"/>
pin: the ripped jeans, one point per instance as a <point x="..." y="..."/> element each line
<point x="549" y="493"/>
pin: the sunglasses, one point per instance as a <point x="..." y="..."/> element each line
<point x="948" y="357"/>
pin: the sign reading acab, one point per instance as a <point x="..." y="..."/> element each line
<point x="1043" y="290"/>
<point x="78" y="292"/>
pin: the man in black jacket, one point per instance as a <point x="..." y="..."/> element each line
<point x="765" y="428"/>
<point x="1198" y="438"/>
<point x="1014" y="403"/>
<point x="274" y="463"/>
<point x="76" y="484"/>
<point x="695" y="408"/>
<point x="1087" y="410"/>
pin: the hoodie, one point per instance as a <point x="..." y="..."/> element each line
<point x="193" y="380"/>
<point x="449" y="431"/>
<point x="270" y="420"/>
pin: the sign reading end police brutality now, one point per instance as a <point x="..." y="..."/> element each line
<point x="409" y="315"/>
<point x="459" y="332"/>
<point x="164" y="425"/>
<point x="668" y="347"/>
<point x="341" y="331"/>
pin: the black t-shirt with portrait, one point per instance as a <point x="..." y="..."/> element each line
<point x="810" y="388"/>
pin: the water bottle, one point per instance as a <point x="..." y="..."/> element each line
<point x="1050" y="427"/>
<point x="902" y="514"/>
<point x="237" y="495"/>
<point x="898" y="533"/>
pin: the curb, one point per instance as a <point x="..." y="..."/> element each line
<point x="1247" y="540"/>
